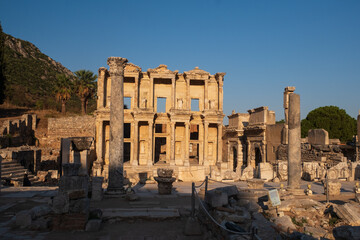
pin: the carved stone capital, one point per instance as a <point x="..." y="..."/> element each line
<point x="116" y="65"/>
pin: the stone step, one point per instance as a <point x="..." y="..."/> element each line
<point x="144" y="213"/>
<point x="13" y="170"/>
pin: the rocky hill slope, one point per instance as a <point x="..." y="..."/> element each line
<point x="29" y="74"/>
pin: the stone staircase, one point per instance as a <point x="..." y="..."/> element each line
<point x="14" y="172"/>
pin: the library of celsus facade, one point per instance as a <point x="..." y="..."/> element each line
<point x="172" y="120"/>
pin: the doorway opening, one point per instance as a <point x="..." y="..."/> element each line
<point x="160" y="150"/>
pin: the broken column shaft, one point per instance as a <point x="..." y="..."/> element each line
<point x="116" y="147"/>
<point x="294" y="146"/>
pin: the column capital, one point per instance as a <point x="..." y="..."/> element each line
<point x="116" y="65"/>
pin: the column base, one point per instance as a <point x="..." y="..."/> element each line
<point x="296" y="191"/>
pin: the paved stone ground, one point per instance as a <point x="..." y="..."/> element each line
<point x="13" y="200"/>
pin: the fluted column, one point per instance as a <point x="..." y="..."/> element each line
<point x="173" y="93"/>
<point x="206" y="148"/>
<point x="151" y="97"/>
<point x="172" y="144"/>
<point x="99" y="141"/>
<point x="219" y="144"/>
<point x="116" y="154"/>
<point x="135" y="143"/>
<point x="101" y="88"/>
<point x="240" y="155"/>
<point x="188" y="100"/>
<point x="187" y="138"/>
<point x="206" y="99"/>
<point x="136" y="96"/>
<point x="150" y="158"/>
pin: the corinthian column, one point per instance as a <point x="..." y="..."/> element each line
<point x="116" y="151"/>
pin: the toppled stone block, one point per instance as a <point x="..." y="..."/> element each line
<point x="24" y="218"/>
<point x="266" y="171"/>
<point x="349" y="213"/>
<point x="285" y="224"/>
<point x="231" y="191"/>
<point x="255" y="183"/>
<point x="318" y="137"/>
<point x="76" y="194"/>
<point x="40" y="224"/>
<point x="216" y="198"/>
<point x="334" y="188"/>
<point x="71" y="169"/>
<point x="316" y="232"/>
<point x="247" y="173"/>
<point x="347" y="232"/>
<point x="97" y="191"/>
<point x="93" y="225"/>
<point x="40" y="211"/>
<point x="192" y="227"/>
<point x="79" y="205"/>
<point x="74" y="183"/>
<point x="71" y="221"/>
<point x="60" y="203"/>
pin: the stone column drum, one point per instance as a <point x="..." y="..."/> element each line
<point x="116" y="148"/>
<point x="294" y="146"/>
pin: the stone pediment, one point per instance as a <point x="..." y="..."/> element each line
<point x="161" y="69"/>
<point x="196" y="73"/>
<point x="130" y="67"/>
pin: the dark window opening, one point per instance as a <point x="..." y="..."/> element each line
<point x="127" y="147"/>
<point x="160" y="128"/>
<point x="127" y="130"/>
<point x="194" y="132"/>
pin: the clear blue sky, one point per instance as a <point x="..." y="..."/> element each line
<point x="263" y="46"/>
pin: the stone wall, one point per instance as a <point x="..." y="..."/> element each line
<point x="18" y="131"/>
<point x="79" y="126"/>
<point x="273" y="136"/>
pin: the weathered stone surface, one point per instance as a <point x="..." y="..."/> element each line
<point x="40" y="224"/>
<point x="283" y="170"/>
<point x="248" y="173"/>
<point x="266" y="171"/>
<point x="24" y="218"/>
<point x="255" y="183"/>
<point x="76" y="194"/>
<point x="285" y="224"/>
<point x="318" y="137"/>
<point x="312" y="171"/>
<point x="294" y="146"/>
<point x="316" y="232"/>
<point x="73" y="221"/>
<point x="347" y="232"/>
<point x="60" y="203"/>
<point x="71" y="169"/>
<point x="349" y="213"/>
<point x="41" y="210"/>
<point x="97" y="191"/>
<point x="334" y="188"/>
<point x="93" y="225"/>
<point x="116" y="145"/>
<point x="231" y="191"/>
<point x="216" y="198"/>
<point x="192" y="227"/>
<point x="74" y="183"/>
<point x="79" y="205"/>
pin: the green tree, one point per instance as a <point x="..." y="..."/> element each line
<point x="63" y="89"/>
<point x="331" y="118"/>
<point x="85" y="87"/>
<point x="2" y="66"/>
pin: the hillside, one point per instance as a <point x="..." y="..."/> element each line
<point x="29" y="74"/>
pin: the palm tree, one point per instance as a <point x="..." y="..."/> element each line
<point x="63" y="89"/>
<point x="85" y="87"/>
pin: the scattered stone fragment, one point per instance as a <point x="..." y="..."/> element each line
<point x="347" y="232"/>
<point x="284" y="224"/>
<point x="93" y="225"/>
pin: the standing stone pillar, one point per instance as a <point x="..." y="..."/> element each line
<point x="219" y="143"/>
<point x="116" y="151"/>
<point x="206" y="141"/>
<point x="240" y="155"/>
<point x="135" y="143"/>
<point x="150" y="149"/>
<point x="294" y="146"/>
<point x="172" y="144"/>
<point x="287" y="92"/>
<point x="187" y="138"/>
